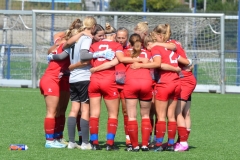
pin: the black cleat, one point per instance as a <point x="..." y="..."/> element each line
<point x="128" y="148"/>
<point x="169" y="148"/>
<point x="157" y="149"/>
<point x="111" y="147"/>
<point x="96" y="147"/>
<point x="144" y="148"/>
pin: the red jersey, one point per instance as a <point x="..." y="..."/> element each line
<point x="180" y="51"/>
<point x="142" y="73"/>
<point x="167" y="57"/>
<point x="55" y="67"/>
<point x="101" y="46"/>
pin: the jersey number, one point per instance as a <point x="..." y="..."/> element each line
<point x="171" y="58"/>
<point x="103" y="46"/>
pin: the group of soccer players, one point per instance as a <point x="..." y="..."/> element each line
<point x="146" y="67"/>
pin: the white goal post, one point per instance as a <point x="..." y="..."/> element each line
<point x="202" y="36"/>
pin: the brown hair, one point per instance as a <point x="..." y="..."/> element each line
<point x="109" y="29"/>
<point x="149" y="38"/>
<point x="76" y="24"/>
<point x="135" y="41"/>
<point x="164" y="30"/>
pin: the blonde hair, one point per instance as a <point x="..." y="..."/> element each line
<point x="141" y="27"/>
<point x="70" y="33"/>
<point x="135" y="41"/>
<point x="149" y="38"/>
<point x="88" y="23"/>
<point x="164" y="30"/>
<point x="109" y="29"/>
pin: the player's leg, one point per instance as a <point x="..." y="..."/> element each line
<point x="113" y="109"/>
<point x="95" y="108"/>
<point x="186" y="115"/>
<point x="132" y="122"/>
<point x="146" y="128"/>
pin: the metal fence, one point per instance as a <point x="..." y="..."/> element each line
<point x="27" y="36"/>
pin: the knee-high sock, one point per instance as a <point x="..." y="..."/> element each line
<point x="133" y="132"/>
<point x="93" y="125"/>
<point x="146" y="129"/>
<point x="160" y="132"/>
<point x="125" y="124"/>
<point x="49" y="127"/>
<point x="111" y="130"/>
<point x="182" y="134"/>
<point x="79" y="128"/>
<point x="172" y="128"/>
<point x="71" y="128"/>
<point x="85" y="130"/>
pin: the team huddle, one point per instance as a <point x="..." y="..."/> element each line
<point x="88" y="62"/>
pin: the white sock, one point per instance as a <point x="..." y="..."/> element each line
<point x="127" y="137"/>
<point x="184" y="143"/>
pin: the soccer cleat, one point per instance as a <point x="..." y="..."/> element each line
<point x="96" y="147"/>
<point x="54" y="144"/>
<point x="157" y="148"/>
<point x="169" y="148"/>
<point x="86" y="146"/>
<point x="111" y="147"/>
<point x="144" y="148"/>
<point x="128" y="148"/>
<point x="180" y="148"/>
<point x="136" y="149"/>
<point x="72" y="145"/>
<point x="63" y="141"/>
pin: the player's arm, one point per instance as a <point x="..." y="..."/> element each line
<point x="124" y="59"/>
<point x="184" y="61"/>
<point x="168" y="67"/>
<point x="170" y="46"/>
<point x="105" y="65"/>
<point x="58" y="57"/>
<point x="156" y="63"/>
<point x="58" y="35"/>
<point x="74" y="39"/>
<point x="52" y="48"/>
<point x="78" y="65"/>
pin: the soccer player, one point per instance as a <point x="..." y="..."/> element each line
<point x="56" y="95"/>
<point x="122" y="38"/>
<point x="138" y="87"/>
<point x="142" y="29"/>
<point x="102" y="84"/>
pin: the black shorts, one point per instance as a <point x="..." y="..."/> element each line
<point x="79" y="91"/>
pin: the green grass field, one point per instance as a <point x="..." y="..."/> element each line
<point x="215" y="130"/>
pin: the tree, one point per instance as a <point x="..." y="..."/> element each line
<point x="137" y="5"/>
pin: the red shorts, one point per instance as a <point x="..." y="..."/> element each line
<point x="64" y="84"/>
<point x="188" y="85"/>
<point x="167" y="91"/>
<point x="121" y="94"/>
<point x="103" y="87"/>
<point x="49" y="86"/>
<point x="138" y="89"/>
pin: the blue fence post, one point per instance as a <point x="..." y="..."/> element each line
<point x="6" y="4"/>
<point x="8" y="62"/>
<point x="238" y="48"/>
<point x="52" y="23"/>
<point x="144" y="8"/>
<point x="195" y="70"/>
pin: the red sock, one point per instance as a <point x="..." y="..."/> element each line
<point x="183" y="135"/>
<point x="133" y="132"/>
<point x="172" y="128"/>
<point x="93" y="125"/>
<point x="79" y="128"/>
<point x="125" y="124"/>
<point x="49" y="126"/>
<point x="111" y="130"/>
<point x="188" y="133"/>
<point x="62" y="120"/>
<point x="160" y="132"/>
<point x="146" y="129"/>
